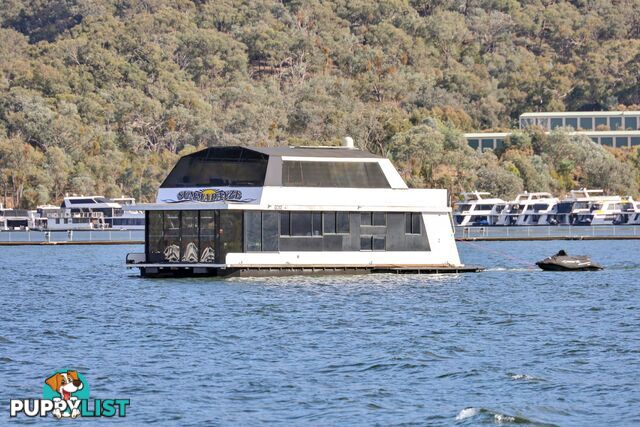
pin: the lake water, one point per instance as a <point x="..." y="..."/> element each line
<point x="510" y="345"/>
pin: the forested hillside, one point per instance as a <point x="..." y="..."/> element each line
<point x="101" y="96"/>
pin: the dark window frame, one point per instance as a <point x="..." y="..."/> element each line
<point x="368" y="239"/>
<point x="285" y="231"/>
<point x="366" y="219"/>
<point x="339" y="224"/>
<point x="380" y="238"/>
<point x="379" y="215"/>
<point x="316" y="224"/>
<point x="413" y="223"/>
<point x="339" y="220"/>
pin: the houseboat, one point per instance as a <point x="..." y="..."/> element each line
<point x="16" y="219"/>
<point x="91" y="213"/>
<point x="629" y="212"/>
<point x="126" y="219"/>
<point x="234" y="211"/>
<point x="587" y="207"/>
<point x="528" y="209"/>
<point x="477" y="209"/>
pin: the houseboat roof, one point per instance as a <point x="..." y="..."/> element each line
<point x="330" y="152"/>
<point x="283" y="166"/>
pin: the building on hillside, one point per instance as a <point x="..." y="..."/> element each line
<point x="616" y="129"/>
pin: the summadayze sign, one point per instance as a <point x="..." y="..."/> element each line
<point x="208" y="195"/>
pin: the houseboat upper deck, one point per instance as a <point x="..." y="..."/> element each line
<point x="237" y="210"/>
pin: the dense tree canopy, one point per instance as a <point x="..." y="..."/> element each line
<point x="101" y="96"/>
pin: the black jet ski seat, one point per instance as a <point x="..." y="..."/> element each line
<point x="565" y="262"/>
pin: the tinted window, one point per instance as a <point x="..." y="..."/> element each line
<point x="556" y="123"/>
<point x="171" y="237"/>
<point x="379" y="218"/>
<point x="342" y="223"/>
<point x="487" y="144"/>
<point x="189" y="236"/>
<point x="564" y="207"/>
<point x="253" y="230"/>
<point x="365" y="218"/>
<point x="81" y="201"/>
<point x="285" y="223"/>
<point x="572" y="122"/>
<point x="316" y="224"/>
<point x="615" y="123"/>
<point x="269" y="231"/>
<point x="586" y="123"/>
<point x="333" y="174"/>
<point x="412" y="223"/>
<point x="473" y="143"/>
<point x="601" y="121"/>
<point x="631" y="123"/>
<point x="416" y="220"/>
<point x="379" y="243"/>
<point x="154" y="237"/>
<point x="229" y="166"/>
<point x="230" y="233"/>
<point x="622" y="141"/>
<point x="606" y="140"/>
<point x="301" y="223"/>
<point x="366" y="243"/>
<point x="329" y="222"/>
<point x="635" y="140"/>
<point x="207" y="236"/>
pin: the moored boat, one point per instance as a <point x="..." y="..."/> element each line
<point x="269" y="211"/>
<point x="477" y="210"/>
<point x="528" y="209"/>
<point x="565" y="262"/>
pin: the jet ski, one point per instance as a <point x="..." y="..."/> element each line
<point x="565" y="262"/>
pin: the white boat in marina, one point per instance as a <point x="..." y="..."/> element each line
<point x="588" y="207"/>
<point x="16" y="219"/>
<point x="127" y="217"/>
<point x="301" y="210"/>
<point x="91" y="213"/>
<point x="629" y="213"/>
<point x="477" y="209"/>
<point x="528" y="209"/>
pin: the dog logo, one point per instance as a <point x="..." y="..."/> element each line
<point x="65" y="394"/>
<point x="67" y="386"/>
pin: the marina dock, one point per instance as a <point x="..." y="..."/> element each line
<point x="550" y="232"/>
<point x="71" y="237"/>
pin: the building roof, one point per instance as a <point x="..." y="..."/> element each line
<point x="595" y="133"/>
<point x="580" y="113"/>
